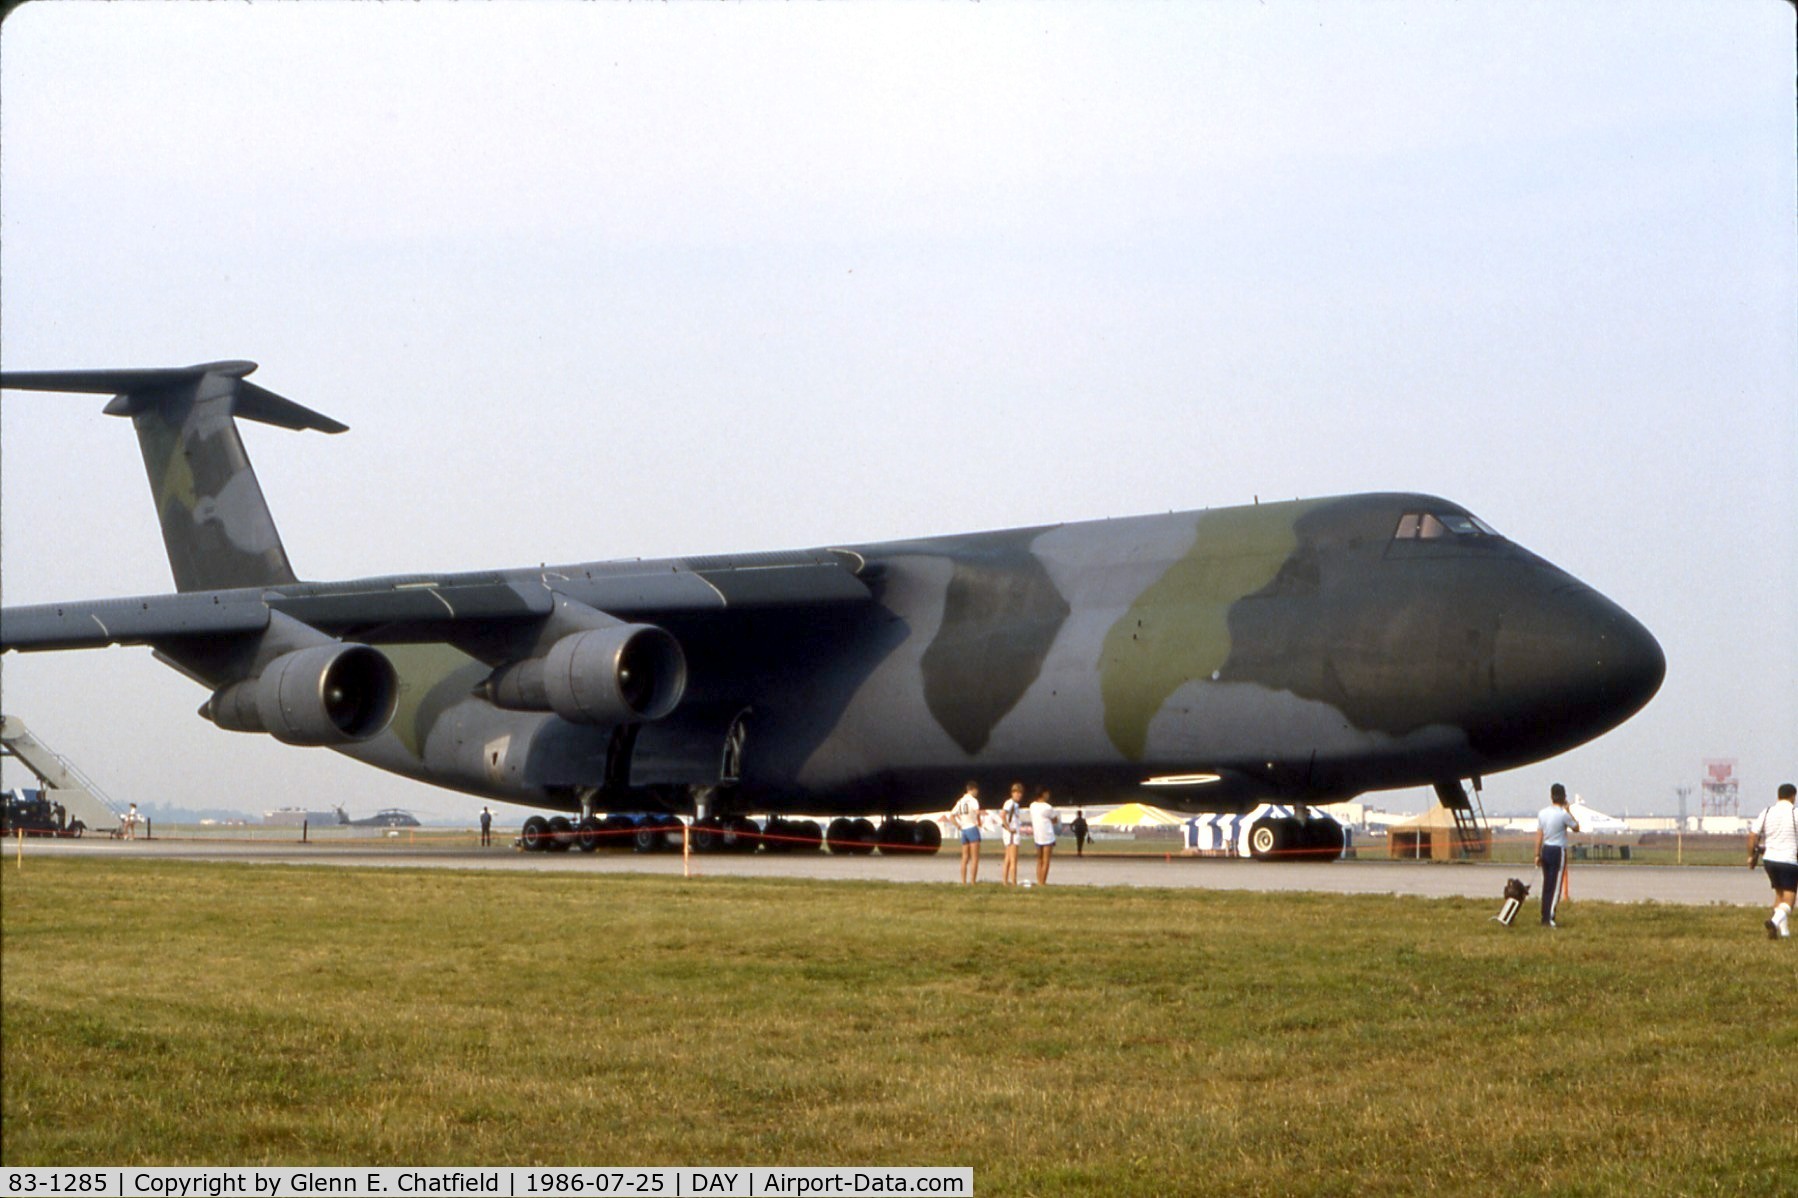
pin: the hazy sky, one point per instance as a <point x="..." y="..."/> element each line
<point x="607" y="280"/>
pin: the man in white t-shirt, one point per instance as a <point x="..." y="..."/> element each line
<point x="966" y="816"/>
<point x="1773" y="837"/>
<point x="1553" y="823"/>
<point x="1043" y="819"/>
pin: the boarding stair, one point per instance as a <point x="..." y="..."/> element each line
<point x="59" y="777"/>
<point x="1473" y="834"/>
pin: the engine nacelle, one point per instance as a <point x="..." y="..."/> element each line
<point x="326" y="695"/>
<point x="623" y="674"/>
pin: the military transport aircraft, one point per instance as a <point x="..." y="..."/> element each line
<point x="1294" y="653"/>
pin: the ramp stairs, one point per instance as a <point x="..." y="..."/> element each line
<point x="1473" y="835"/>
<point x="54" y="772"/>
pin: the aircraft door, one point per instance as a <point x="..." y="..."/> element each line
<point x="692" y="747"/>
<point x="730" y="770"/>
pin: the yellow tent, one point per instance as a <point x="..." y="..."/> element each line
<point x="1138" y="815"/>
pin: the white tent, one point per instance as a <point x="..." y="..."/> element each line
<point x="1596" y="821"/>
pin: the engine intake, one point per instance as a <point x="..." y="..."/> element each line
<point x="623" y="674"/>
<point x="326" y="695"/>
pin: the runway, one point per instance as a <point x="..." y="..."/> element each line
<point x="1600" y="882"/>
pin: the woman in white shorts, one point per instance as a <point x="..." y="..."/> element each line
<point x="1011" y="826"/>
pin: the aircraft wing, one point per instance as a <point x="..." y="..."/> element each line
<point x="451" y="607"/>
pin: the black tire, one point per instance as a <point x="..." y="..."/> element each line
<point x="862" y="835"/>
<point x="807" y="836"/>
<point x="777" y="835"/>
<point x="705" y="835"/>
<point x="615" y="832"/>
<point x="586" y="835"/>
<point x="561" y="834"/>
<point x="648" y="836"/>
<point x="927" y="836"/>
<point x="899" y="837"/>
<point x="838" y="836"/>
<point x="741" y="835"/>
<point x="1268" y="839"/>
<point x="534" y="836"/>
<point x="1297" y="843"/>
<point x="1323" y="840"/>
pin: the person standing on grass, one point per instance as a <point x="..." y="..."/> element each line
<point x="1011" y="826"/>
<point x="1042" y="830"/>
<point x="1773" y="839"/>
<point x="486" y="828"/>
<point x="966" y="814"/>
<point x="1553" y="823"/>
<point x="1079" y="826"/>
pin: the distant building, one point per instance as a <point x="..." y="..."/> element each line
<point x="293" y="817"/>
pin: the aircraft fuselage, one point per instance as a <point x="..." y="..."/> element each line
<point x="1298" y="652"/>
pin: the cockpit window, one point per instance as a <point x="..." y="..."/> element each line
<point x="1431" y="526"/>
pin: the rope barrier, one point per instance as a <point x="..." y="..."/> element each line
<point x="713" y="839"/>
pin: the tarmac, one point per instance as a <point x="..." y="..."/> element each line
<point x="1599" y="882"/>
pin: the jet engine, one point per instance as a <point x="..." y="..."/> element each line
<point x="620" y="674"/>
<point x="325" y="695"/>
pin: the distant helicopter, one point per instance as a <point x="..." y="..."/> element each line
<point x="392" y="817"/>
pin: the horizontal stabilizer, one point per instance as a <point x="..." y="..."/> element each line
<point x="139" y="389"/>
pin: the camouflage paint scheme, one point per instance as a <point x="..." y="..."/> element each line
<point x="1299" y="652"/>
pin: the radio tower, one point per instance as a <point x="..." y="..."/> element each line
<point x="1719" y="793"/>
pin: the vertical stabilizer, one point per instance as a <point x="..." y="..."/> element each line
<point x="215" y="523"/>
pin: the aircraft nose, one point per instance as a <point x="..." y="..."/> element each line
<point x="1570" y="665"/>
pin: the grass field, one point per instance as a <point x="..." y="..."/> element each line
<point x="1062" y="1041"/>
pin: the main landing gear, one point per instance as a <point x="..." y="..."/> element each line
<point x="1297" y="837"/>
<point x="659" y="832"/>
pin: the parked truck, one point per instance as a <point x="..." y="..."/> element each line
<point x="36" y="813"/>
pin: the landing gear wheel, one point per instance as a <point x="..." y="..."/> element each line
<point x="1323" y="840"/>
<point x="927" y="836"/>
<point x="807" y="836"/>
<point x="586" y="835"/>
<point x="895" y="836"/>
<point x="707" y="835"/>
<point x="1268" y="839"/>
<point x="616" y="832"/>
<point x="561" y="834"/>
<point x="741" y="834"/>
<point x="534" y="836"/>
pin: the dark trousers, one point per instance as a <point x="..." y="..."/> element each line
<point x="1552" y="858"/>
